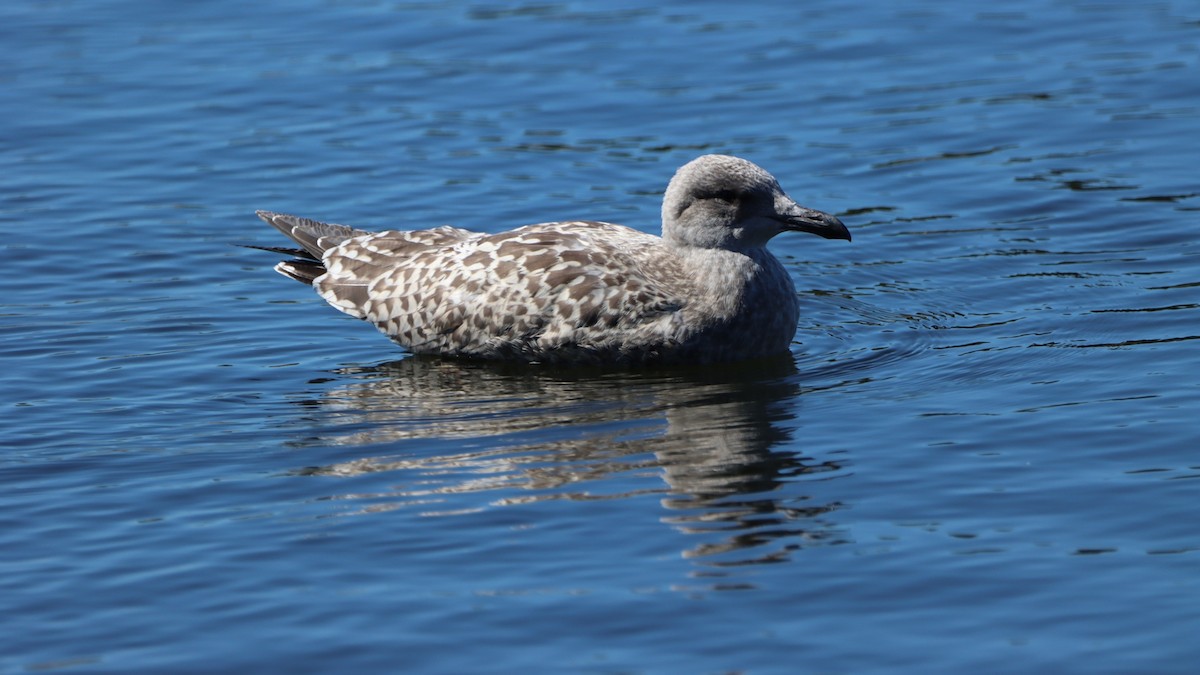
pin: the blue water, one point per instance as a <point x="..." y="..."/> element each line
<point x="980" y="456"/>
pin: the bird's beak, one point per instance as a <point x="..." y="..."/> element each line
<point x="799" y="219"/>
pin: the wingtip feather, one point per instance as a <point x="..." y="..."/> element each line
<point x="303" y="271"/>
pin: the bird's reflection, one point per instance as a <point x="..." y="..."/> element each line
<point x="718" y="437"/>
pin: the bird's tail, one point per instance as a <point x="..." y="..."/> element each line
<point x="314" y="238"/>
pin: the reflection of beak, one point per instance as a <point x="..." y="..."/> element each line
<point x="800" y="219"/>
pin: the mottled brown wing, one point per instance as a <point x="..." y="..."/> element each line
<point x="356" y="265"/>
<point x="450" y="291"/>
<point x="314" y="236"/>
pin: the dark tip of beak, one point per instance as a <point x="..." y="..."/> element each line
<point x="816" y="222"/>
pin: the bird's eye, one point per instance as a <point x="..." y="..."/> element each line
<point x="727" y="196"/>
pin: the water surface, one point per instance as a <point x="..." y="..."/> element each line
<point x="979" y="455"/>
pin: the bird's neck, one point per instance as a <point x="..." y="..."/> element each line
<point x="726" y="282"/>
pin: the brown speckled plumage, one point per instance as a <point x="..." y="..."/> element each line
<point x="708" y="290"/>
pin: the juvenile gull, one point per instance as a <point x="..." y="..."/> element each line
<point x="707" y="291"/>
